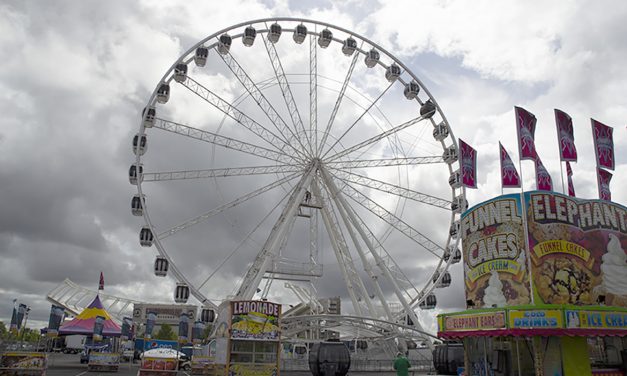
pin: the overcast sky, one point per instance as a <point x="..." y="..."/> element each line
<point x="75" y="75"/>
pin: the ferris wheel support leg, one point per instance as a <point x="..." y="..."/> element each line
<point x="254" y="274"/>
<point x="354" y="285"/>
<point x="338" y="196"/>
<point x="366" y="264"/>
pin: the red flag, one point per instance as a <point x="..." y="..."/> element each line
<point x="509" y="175"/>
<point x="603" y="144"/>
<point x="571" y="186"/>
<point x="603" y="179"/>
<point x="526" y="129"/>
<point x="543" y="178"/>
<point x="565" y="136"/>
<point x="101" y="283"/>
<point x="468" y="163"/>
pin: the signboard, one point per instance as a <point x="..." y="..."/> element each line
<point x="477" y="321"/>
<point x="257" y="320"/>
<point x="596" y="319"/>
<point x="32" y="363"/>
<point x="535" y="319"/>
<point x="578" y="249"/>
<point x="495" y="263"/>
<point x="152" y="366"/>
<point x="253" y="370"/>
<point x="99" y="361"/>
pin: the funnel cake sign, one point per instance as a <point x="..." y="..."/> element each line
<point x="577" y="249"/>
<point x="493" y="245"/>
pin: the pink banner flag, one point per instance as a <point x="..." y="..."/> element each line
<point x="603" y="144"/>
<point x="468" y="163"/>
<point x="571" y="186"/>
<point x="565" y="136"/>
<point x="603" y="178"/>
<point x="526" y="129"/>
<point x="543" y="178"/>
<point x="509" y="175"/>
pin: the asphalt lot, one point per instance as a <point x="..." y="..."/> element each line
<point x="69" y="365"/>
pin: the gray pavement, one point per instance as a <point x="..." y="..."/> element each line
<point x="69" y="365"/>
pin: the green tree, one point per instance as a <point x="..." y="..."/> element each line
<point x="166" y="333"/>
<point x="3" y="330"/>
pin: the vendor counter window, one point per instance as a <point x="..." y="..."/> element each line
<point x="254" y="352"/>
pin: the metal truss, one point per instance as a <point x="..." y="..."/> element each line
<point x="262" y="101"/>
<point x="237" y="115"/>
<point x="374" y="139"/>
<point x="219" y="172"/>
<point x="75" y="298"/>
<point x="226" y="142"/>
<point x="393" y="189"/>
<point x="286" y="90"/>
<point x="391" y="219"/>
<point x="385" y="162"/>
<point x="223" y="207"/>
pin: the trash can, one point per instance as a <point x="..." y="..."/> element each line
<point x="329" y="359"/>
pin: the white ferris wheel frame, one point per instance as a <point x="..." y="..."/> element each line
<point x="408" y="300"/>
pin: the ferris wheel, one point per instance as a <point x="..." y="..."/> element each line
<point x="303" y="149"/>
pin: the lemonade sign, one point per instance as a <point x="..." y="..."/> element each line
<point x="258" y="320"/>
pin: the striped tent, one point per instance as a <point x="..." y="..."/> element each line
<point x="84" y="322"/>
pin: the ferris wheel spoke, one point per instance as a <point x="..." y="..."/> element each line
<point x="261" y="100"/>
<point x="338" y="101"/>
<point x="385" y="162"/>
<point x="286" y="90"/>
<point x="390" y="218"/>
<point x="235" y="114"/>
<point x="225" y="142"/>
<point x="313" y="91"/>
<point x="223" y="207"/>
<point x="218" y="172"/>
<point x="393" y="189"/>
<point x="376" y="138"/>
<point x="337" y="141"/>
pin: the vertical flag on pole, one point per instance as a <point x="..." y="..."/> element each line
<point x="101" y="283"/>
<point x="543" y="178"/>
<point x="468" y="163"/>
<point x="98" y="328"/>
<point x="571" y="186"/>
<point x="183" y="327"/>
<point x="21" y="311"/>
<point x="509" y="175"/>
<point x="13" y="325"/>
<point x="565" y="136"/>
<point x="603" y="180"/>
<point x="603" y="144"/>
<point x="526" y="129"/>
<point x="151" y="318"/>
<point x="54" y="322"/>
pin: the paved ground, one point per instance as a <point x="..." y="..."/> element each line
<point x="69" y="365"/>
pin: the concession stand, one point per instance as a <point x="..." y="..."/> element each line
<point x="546" y="287"/>
<point x="246" y="339"/>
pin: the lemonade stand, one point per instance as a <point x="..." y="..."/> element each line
<point x="253" y="338"/>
